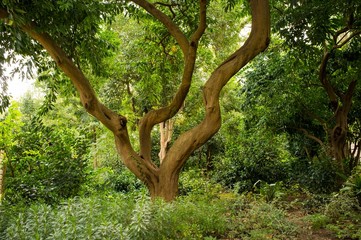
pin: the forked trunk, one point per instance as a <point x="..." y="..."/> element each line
<point x="341" y="105"/>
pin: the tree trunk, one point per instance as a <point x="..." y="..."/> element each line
<point x="338" y="140"/>
<point x="166" y="132"/>
<point x="341" y="105"/>
<point x="166" y="188"/>
<point x="2" y="174"/>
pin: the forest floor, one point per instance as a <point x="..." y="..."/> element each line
<point x="306" y="231"/>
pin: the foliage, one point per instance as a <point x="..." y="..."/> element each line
<point x="193" y="182"/>
<point x="10" y="125"/>
<point x="119" y="216"/>
<point x="341" y="216"/>
<point x="269" y="192"/>
<point x="318" y="174"/>
<point x="49" y="170"/>
<point x="45" y="162"/>
<point x="261" y="220"/>
<point x="250" y="156"/>
<point x="353" y="184"/>
<point x="116" y="217"/>
<point x="318" y="220"/>
<point x="106" y="179"/>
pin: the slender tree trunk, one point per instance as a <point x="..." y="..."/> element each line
<point x="2" y="174"/>
<point x="355" y="155"/>
<point x="166" y="132"/>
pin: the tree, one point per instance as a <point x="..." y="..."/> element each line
<point x="330" y="34"/>
<point x="306" y="84"/>
<point x="10" y="125"/>
<point x="54" y="22"/>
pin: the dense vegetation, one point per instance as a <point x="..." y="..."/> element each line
<point x="285" y="163"/>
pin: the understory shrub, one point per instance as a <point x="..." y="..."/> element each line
<point x="342" y="216"/>
<point x="47" y="165"/>
<point x="120" y="216"/>
<point x="261" y="220"/>
<point x="108" y="179"/>
<point x="318" y="175"/>
<point x="193" y="182"/>
<point x="115" y="216"/>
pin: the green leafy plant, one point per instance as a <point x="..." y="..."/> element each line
<point x="140" y="220"/>
<point x="269" y="192"/>
<point x="262" y="220"/>
<point x="318" y="220"/>
<point x="344" y="214"/>
<point x="353" y="185"/>
<point x="116" y="216"/>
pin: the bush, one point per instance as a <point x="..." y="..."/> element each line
<point x="192" y="182"/>
<point x="344" y="213"/>
<point x="318" y="220"/>
<point x="47" y="165"/>
<point x="106" y="179"/>
<point x="318" y="175"/>
<point x="353" y="184"/>
<point x="342" y="206"/>
<point x="257" y="156"/>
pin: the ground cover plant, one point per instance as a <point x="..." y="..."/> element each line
<point x="120" y="216"/>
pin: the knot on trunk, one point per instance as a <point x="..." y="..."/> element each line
<point x="88" y="102"/>
<point x="122" y="123"/>
<point x="338" y="134"/>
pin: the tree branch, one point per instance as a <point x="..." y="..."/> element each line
<point x="202" y="22"/>
<point x="257" y="42"/>
<point x="339" y="32"/>
<point x="3" y="13"/>
<point x="311" y="136"/>
<point x="88" y="98"/>
<point x="167" y="22"/>
<point x="170" y="7"/>
<point x="160" y="115"/>
<point x="342" y="42"/>
<point x="347" y="100"/>
<point x="324" y="81"/>
<point x="116" y="123"/>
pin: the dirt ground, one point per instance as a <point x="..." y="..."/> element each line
<point x="305" y="228"/>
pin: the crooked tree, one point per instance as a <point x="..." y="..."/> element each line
<point x="329" y="34"/>
<point x="309" y="80"/>
<point x="50" y="23"/>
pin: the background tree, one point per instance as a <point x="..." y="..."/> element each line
<point x="10" y="126"/>
<point x="46" y="160"/>
<point x="306" y="86"/>
<point x="329" y="36"/>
